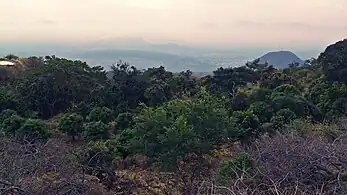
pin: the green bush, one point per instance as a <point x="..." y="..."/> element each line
<point x="245" y="125"/>
<point x="282" y="118"/>
<point x="6" y="101"/>
<point x="93" y="131"/>
<point x="11" y="125"/>
<point x="33" y="130"/>
<point x="236" y="168"/>
<point x="102" y="114"/>
<point x="167" y="133"/>
<point x="257" y="94"/>
<point x="124" y="121"/>
<point x="72" y="124"/>
<point x="262" y="110"/>
<point x="82" y="109"/>
<point x="287" y="89"/>
<point x="240" y="101"/>
<point x="5" y="114"/>
<point x="123" y="142"/>
<point x="99" y="153"/>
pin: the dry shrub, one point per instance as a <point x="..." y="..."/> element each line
<point x="49" y="168"/>
<point x="293" y="165"/>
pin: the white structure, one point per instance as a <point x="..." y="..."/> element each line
<point x="6" y="63"/>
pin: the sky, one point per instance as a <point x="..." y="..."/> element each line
<point x="215" y="22"/>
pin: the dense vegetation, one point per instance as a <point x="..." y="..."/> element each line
<point x="68" y="128"/>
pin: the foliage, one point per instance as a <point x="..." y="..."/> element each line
<point x="127" y="88"/>
<point x="11" y="57"/>
<point x="157" y="94"/>
<point x="183" y="84"/>
<point x="288" y="97"/>
<point x="234" y="168"/>
<point x="228" y="80"/>
<point x="102" y="114"/>
<point x="276" y="78"/>
<point x="5" y="74"/>
<point x="245" y="125"/>
<point x="262" y="110"/>
<point x="287" y="89"/>
<point x="72" y="124"/>
<point x="6" y="100"/>
<point x="259" y="94"/>
<point x="333" y="60"/>
<point x="12" y="124"/>
<point x="179" y="127"/>
<point x="32" y="130"/>
<point x="240" y="101"/>
<point x="99" y="153"/>
<point x="282" y="118"/>
<point x="93" y="131"/>
<point x="57" y="85"/>
<point x="124" y="121"/>
<point x="330" y="98"/>
<point x="7" y="114"/>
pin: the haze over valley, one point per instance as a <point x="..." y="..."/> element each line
<point x="136" y="51"/>
<point x="182" y="34"/>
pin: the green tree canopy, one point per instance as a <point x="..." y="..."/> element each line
<point x="179" y="127"/>
<point x="59" y="84"/>
<point x="334" y="62"/>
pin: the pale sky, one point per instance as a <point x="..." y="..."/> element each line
<point x="262" y="22"/>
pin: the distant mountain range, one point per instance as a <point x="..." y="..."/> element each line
<point x="142" y="54"/>
<point x="144" y="59"/>
<point x="281" y="59"/>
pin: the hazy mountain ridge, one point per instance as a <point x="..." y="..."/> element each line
<point x="173" y="56"/>
<point x="144" y="59"/>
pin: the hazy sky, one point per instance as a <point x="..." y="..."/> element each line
<point x="237" y="22"/>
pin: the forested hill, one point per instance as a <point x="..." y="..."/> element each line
<point x="68" y="128"/>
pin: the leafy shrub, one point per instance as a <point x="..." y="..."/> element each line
<point x="298" y="104"/>
<point x="262" y="110"/>
<point x="102" y="114"/>
<point x="58" y="85"/>
<point x="11" y="125"/>
<point x="99" y="153"/>
<point x="157" y="94"/>
<point x="257" y="94"/>
<point x="33" y="130"/>
<point x="282" y="118"/>
<point x="287" y="114"/>
<point x="275" y="79"/>
<point x="123" y="142"/>
<point x="6" y="101"/>
<point x="124" y="121"/>
<point x="167" y="133"/>
<point x="245" y="125"/>
<point x="287" y="89"/>
<point x="7" y="114"/>
<point x="235" y="168"/>
<point x="93" y="131"/>
<point x="72" y="124"/>
<point x="240" y="101"/>
<point x="330" y="98"/>
<point x="82" y="108"/>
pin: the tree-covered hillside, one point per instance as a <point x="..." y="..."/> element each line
<point x="68" y="128"/>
